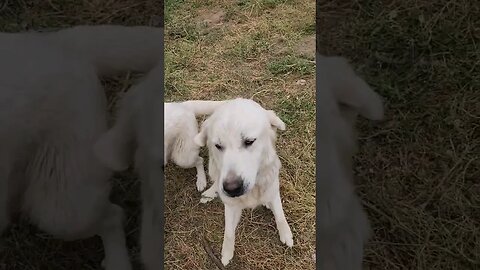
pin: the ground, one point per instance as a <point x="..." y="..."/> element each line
<point x="260" y="49"/>
<point x="418" y="171"/>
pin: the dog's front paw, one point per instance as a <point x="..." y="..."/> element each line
<point x="208" y="195"/>
<point x="286" y="237"/>
<point x="206" y="199"/>
<point x="227" y="256"/>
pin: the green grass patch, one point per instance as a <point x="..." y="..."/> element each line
<point x="291" y="64"/>
<point x="260" y="4"/>
<point x="170" y="7"/>
<point x="294" y="109"/>
<point x="249" y="47"/>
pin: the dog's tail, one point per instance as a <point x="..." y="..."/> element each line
<point x="113" y="48"/>
<point x="203" y="107"/>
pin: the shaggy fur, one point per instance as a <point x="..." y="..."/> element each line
<point x="243" y="165"/>
<point x="137" y="132"/>
<point x="343" y="227"/>
<point x="52" y="110"/>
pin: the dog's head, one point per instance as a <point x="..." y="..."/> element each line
<point x="240" y="136"/>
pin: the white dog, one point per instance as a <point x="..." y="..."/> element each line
<point x="180" y="128"/>
<point x="342" y="227"/>
<point x="52" y="110"/>
<point x="137" y="132"/>
<point x="243" y="165"/>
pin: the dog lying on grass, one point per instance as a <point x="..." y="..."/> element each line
<point x="343" y="227"/>
<point x="243" y="165"/>
<point x="137" y="133"/>
<point x="52" y="111"/>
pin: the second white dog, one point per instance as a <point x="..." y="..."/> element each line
<point x="180" y="129"/>
<point x="243" y="165"/>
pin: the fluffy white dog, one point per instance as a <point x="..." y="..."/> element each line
<point x="137" y="133"/>
<point x="180" y="130"/>
<point x="342" y="227"/>
<point x="52" y="110"/>
<point x="243" y="165"/>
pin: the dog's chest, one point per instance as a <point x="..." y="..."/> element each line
<point x="256" y="197"/>
<point x="253" y="199"/>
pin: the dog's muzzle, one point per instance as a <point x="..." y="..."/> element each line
<point x="233" y="185"/>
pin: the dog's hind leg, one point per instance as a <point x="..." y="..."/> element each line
<point x="113" y="237"/>
<point x="212" y="192"/>
<point x="186" y="155"/>
<point x="201" y="177"/>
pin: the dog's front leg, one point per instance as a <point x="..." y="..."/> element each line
<point x="283" y="228"/>
<point x="232" y="217"/>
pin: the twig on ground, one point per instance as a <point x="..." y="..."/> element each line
<point x="209" y="251"/>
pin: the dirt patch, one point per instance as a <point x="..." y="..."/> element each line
<point x="210" y="18"/>
<point x="306" y="47"/>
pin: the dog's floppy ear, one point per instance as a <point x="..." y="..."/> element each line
<point x="114" y="149"/>
<point x="275" y="121"/>
<point x="201" y="138"/>
<point x="358" y="95"/>
<point x="350" y="89"/>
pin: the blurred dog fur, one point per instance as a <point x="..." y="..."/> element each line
<point x="343" y="227"/>
<point x="136" y="137"/>
<point x="52" y="111"/>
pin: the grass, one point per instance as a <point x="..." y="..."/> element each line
<point x="224" y="49"/>
<point x="418" y="171"/>
<point x="289" y="64"/>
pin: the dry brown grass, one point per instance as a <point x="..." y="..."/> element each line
<point x="224" y="49"/>
<point x="418" y="172"/>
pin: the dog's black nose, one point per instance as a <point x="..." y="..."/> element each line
<point x="233" y="187"/>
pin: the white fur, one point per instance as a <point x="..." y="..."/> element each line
<point x="180" y="128"/>
<point x="137" y="132"/>
<point x="343" y="226"/>
<point x="258" y="164"/>
<point x="52" y="110"/>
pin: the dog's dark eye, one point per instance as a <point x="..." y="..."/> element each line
<point x="248" y="142"/>
<point x="219" y="147"/>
